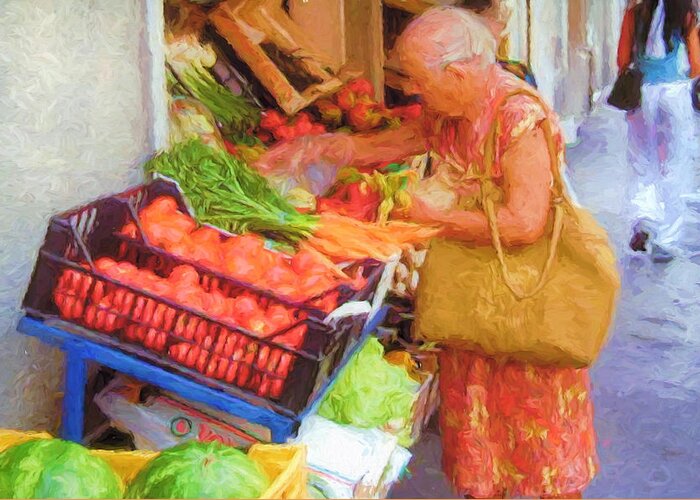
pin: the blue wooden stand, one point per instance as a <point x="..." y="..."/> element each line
<point x="79" y="351"/>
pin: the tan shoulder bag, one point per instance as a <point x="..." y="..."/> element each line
<point x="549" y="303"/>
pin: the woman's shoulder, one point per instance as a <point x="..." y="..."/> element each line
<point x="519" y="115"/>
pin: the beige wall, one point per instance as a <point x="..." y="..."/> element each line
<point x="75" y="109"/>
<point x="571" y="46"/>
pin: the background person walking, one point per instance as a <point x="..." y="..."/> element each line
<point x="660" y="39"/>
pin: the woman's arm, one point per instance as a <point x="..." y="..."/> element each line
<point x="345" y="149"/>
<point x="523" y="216"/>
<point x="626" y="44"/>
<point x="388" y="145"/>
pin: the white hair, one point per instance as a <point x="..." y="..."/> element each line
<point x="445" y="35"/>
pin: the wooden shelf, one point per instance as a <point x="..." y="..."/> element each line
<point x="417" y="6"/>
<point x="277" y="50"/>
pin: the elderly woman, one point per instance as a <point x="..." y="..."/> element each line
<point x="508" y="428"/>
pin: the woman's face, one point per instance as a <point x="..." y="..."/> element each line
<point x="446" y="90"/>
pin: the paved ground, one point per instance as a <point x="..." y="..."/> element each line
<point x="647" y="381"/>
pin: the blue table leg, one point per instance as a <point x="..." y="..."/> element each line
<point x="73" y="419"/>
<point x="280" y="432"/>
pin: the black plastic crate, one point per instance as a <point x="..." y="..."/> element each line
<point x="273" y="371"/>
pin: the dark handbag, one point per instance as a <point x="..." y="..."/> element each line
<point x="695" y="93"/>
<point x="627" y="91"/>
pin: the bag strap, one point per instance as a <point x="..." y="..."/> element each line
<point x="558" y="192"/>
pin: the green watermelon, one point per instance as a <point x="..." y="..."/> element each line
<point x="53" y="468"/>
<point x="200" y="470"/>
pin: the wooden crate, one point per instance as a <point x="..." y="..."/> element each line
<point x="418" y="6"/>
<point x="277" y="51"/>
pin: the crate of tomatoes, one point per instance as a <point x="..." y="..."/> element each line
<point x="135" y="270"/>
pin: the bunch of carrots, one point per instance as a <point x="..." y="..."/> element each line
<point x="340" y="238"/>
<point x="303" y="276"/>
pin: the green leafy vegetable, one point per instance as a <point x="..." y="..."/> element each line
<point x="370" y="392"/>
<point x="200" y="470"/>
<point x="190" y="119"/>
<point x="52" y="468"/>
<point x="226" y="193"/>
<point x="189" y="74"/>
<point x="234" y="112"/>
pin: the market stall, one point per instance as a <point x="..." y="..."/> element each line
<point x="220" y="301"/>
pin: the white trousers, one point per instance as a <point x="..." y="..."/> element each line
<point x="662" y="145"/>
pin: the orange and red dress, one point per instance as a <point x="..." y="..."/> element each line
<point x="509" y="428"/>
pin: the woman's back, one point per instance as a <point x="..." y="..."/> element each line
<point x="661" y="30"/>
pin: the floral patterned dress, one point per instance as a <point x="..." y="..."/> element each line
<point x="508" y="428"/>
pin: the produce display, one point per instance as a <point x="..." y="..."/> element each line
<point x="371" y="392"/>
<point x="305" y="275"/>
<point x="183" y="287"/>
<point x="355" y="108"/>
<point x="200" y="470"/>
<point x="352" y="109"/>
<point x="222" y="354"/>
<point x="52" y="468"/>
<point x="341" y="237"/>
<point x="237" y="290"/>
<point x="190" y="119"/>
<point x="190" y="75"/>
<point x="226" y="193"/>
<point x="369" y="196"/>
<point x="275" y="126"/>
<point x="40" y="466"/>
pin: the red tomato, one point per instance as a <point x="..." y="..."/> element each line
<point x="246" y="244"/>
<point x="257" y="323"/>
<point x="271" y="119"/>
<point x="163" y="205"/>
<point x="278" y="275"/>
<point x="245" y="306"/>
<point x="182" y="248"/>
<point x="231" y="148"/>
<point x="293" y="339"/>
<point x="184" y="276"/>
<point x="244" y="269"/>
<point x="306" y="262"/>
<point x="264" y="136"/>
<point x="303" y="124"/>
<point x="130" y="230"/>
<point x="207" y="255"/>
<point x="206" y="235"/>
<point x="345" y="99"/>
<point x="284" y="133"/>
<point x="318" y="129"/>
<point x="361" y="86"/>
<point x="105" y="264"/>
<point x="279" y="317"/>
<point x="364" y="117"/>
<point x="217" y="305"/>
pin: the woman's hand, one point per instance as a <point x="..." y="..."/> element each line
<point x="421" y="212"/>
<point x="294" y="156"/>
